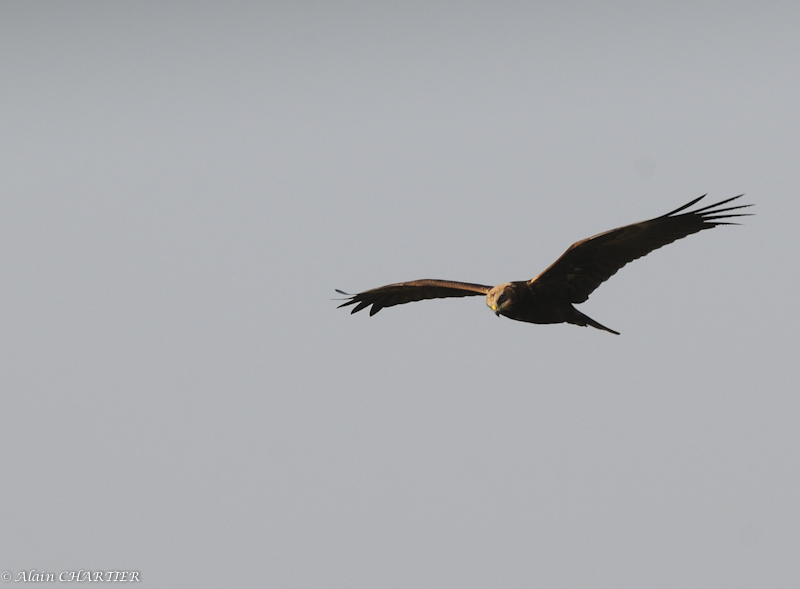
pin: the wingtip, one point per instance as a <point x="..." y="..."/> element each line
<point x="347" y="301"/>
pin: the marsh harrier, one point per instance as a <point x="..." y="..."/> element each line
<point x="548" y="298"/>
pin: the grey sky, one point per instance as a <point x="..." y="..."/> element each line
<point x="183" y="185"/>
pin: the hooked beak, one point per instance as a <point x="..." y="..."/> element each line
<point x="494" y="308"/>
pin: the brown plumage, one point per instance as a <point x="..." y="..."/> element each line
<point x="548" y="298"/>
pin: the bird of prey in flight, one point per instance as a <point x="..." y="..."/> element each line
<point x="548" y="297"/>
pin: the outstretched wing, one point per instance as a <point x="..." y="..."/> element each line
<point x="590" y="262"/>
<point x="407" y="292"/>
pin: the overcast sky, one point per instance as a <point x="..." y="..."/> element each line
<point x="183" y="185"/>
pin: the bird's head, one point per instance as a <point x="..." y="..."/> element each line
<point x="501" y="298"/>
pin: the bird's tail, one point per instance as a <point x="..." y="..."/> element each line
<point x="580" y="319"/>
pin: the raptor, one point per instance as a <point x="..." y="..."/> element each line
<point x="550" y="296"/>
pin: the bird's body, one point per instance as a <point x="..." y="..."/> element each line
<point x="523" y="301"/>
<point x="550" y="296"/>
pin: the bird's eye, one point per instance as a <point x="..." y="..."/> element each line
<point x="501" y="298"/>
